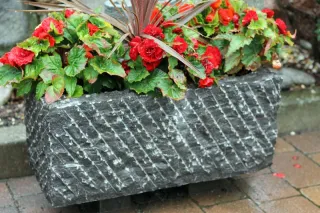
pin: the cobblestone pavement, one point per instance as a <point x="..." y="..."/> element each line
<point x="290" y="185"/>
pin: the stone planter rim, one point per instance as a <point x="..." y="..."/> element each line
<point x="254" y="77"/>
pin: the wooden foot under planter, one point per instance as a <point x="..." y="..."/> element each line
<point x="118" y="144"/>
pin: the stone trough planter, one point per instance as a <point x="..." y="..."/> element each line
<point x="118" y="144"/>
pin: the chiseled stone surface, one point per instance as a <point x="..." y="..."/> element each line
<point x="117" y="144"/>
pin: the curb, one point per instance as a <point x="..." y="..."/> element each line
<point x="299" y="112"/>
<point x="13" y="152"/>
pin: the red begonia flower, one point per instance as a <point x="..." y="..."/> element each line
<point x="150" y="51"/>
<point x="154" y="31"/>
<point x="134" y="44"/>
<point x="282" y="26"/>
<point x="155" y="16"/>
<point x="5" y="60"/>
<point x="20" y="57"/>
<point x="92" y="28"/>
<point x="177" y="30"/>
<point x="89" y="55"/>
<point x="125" y="67"/>
<point x="211" y="59"/>
<point x="216" y="4"/>
<point x="46" y="25"/>
<point x="150" y="66"/>
<point x="207" y="82"/>
<point x="42" y="34"/>
<point x="69" y="13"/>
<point x="269" y="12"/>
<point x="210" y="16"/>
<point x="180" y="45"/>
<point x="225" y="16"/>
<point x="236" y="19"/>
<point x="250" y="15"/>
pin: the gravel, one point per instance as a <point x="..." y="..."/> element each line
<point x="13" y="112"/>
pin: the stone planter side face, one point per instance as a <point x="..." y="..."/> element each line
<point x="117" y="144"/>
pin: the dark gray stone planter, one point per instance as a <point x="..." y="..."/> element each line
<point x="118" y="144"/>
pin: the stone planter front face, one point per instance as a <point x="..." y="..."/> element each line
<point x="117" y="144"/>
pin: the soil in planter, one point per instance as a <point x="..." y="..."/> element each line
<point x="13" y="112"/>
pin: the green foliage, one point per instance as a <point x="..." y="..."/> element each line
<point x="33" y="70"/>
<point x="35" y="45"/>
<point x="77" y="61"/>
<point x="41" y="89"/>
<point x="70" y="85"/>
<point x="24" y="87"/>
<point x="138" y="71"/>
<point x="55" y="91"/>
<point x="9" y="74"/>
<point x="110" y="66"/>
<point x="82" y="60"/>
<point x="53" y="64"/>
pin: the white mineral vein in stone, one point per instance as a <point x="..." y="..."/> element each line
<point x="263" y="113"/>
<point x="253" y="116"/>
<point x="158" y="128"/>
<point x="192" y="133"/>
<point x="220" y="130"/>
<point x="74" y="140"/>
<point x="167" y="129"/>
<point x="125" y="145"/>
<point x="150" y="140"/>
<point x="245" y="126"/>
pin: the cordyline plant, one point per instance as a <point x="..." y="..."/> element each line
<point x="161" y="49"/>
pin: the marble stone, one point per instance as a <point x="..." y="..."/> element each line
<point x="117" y="144"/>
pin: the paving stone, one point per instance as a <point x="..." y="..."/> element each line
<point x="290" y="205"/>
<point x="266" y="188"/>
<point x="173" y="206"/>
<point x="307" y="142"/>
<point x="24" y="186"/>
<point x="242" y="206"/>
<point x="39" y="204"/>
<point x="5" y="197"/>
<point x="261" y="172"/>
<point x="282" y="146"/>
<point x="307" y="175"/>
<point x="316" y="157"/>
<point x="210" y="193"/>
<point x="8" y="210"/>
<point x="312" y="193"/>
